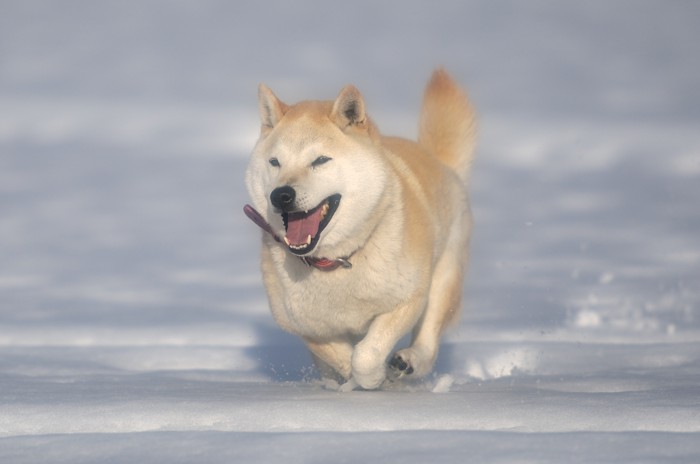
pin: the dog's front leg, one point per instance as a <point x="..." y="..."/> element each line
<point x="370" y="354"/>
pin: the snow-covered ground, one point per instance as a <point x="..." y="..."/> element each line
<point x="133" y="323"/>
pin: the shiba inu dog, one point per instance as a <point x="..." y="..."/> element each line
<point x="366" y="236"/>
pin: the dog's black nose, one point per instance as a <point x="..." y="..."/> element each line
<point x="283" y="197"/>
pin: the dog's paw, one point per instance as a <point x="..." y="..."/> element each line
<point x="415" y="361"/>
<point x="368" y="368"/>
<point x="369" y="380"/>
<point x="348" y="386"/>
<point x="400" y="367"/>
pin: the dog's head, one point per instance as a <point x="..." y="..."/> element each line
<point x="317" y="173"/>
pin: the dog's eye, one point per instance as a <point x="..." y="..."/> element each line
<point x="274" y="162"/>
<point x="320" y="160"/>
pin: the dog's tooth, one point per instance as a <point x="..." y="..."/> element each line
<point x="286" y="240"/>
<point x="308" y="240"/>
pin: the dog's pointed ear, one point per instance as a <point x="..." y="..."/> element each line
<point x="349" y="108"/>
<point x="271" y="108"/>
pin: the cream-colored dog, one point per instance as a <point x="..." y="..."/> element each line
<point x="366" y="236"/>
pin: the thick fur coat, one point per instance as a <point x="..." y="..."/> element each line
<point x="368" y="235"/>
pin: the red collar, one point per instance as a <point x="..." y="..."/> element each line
<point x="322" y="264"/>
<point x="325" y="264"/>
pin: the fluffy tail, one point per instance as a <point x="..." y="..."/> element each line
<point x="447" y="123"/>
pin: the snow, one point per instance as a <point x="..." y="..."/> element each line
<point x="133" y="322"/>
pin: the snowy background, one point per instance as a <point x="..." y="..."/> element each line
<point x="133" y="322"/>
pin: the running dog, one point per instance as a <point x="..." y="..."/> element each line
<point x="366" y="236"/>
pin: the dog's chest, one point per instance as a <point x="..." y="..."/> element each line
<point x="337" y="303"/>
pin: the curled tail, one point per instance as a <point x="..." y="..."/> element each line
<point x="447" y="124"/>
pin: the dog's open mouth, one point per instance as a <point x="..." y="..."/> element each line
<point x="304" y="227"/>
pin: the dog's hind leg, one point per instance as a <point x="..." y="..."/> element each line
<point x="443" y="307"/>
<point x="333" y="359"/>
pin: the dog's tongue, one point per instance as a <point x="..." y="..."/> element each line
<point x="302" y="225"/>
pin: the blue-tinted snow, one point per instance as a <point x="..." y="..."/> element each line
<point x="133" y="323"/>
